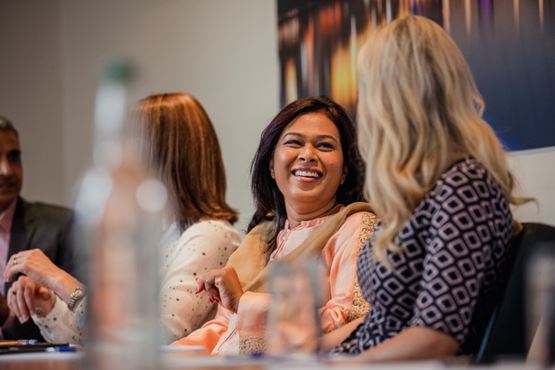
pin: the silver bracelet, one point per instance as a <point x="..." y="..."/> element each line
<point x="75" y="297"/>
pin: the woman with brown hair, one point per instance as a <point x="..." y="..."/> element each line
<point x="181" y="147"/>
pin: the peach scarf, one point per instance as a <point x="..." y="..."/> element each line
<point x="250" y="259"/>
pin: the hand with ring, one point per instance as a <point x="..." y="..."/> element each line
<point x="39" y="268"/>
<point x="33" y="263"/>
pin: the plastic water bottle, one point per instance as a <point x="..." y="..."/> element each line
<point x="119" y="209"/>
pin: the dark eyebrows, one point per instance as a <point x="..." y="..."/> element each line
<point x="319" y="137"/>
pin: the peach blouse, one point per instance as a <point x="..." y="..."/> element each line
<point x="233" y="333"/>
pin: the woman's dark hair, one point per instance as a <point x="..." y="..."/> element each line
<point x="182" y="147"/>
<point x="268" y="199"/>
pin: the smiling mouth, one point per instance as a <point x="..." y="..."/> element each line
<point x="307" y="173"/>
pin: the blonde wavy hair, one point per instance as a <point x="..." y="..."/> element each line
<point x="418" y="111"/>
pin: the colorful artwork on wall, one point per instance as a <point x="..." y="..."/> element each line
<point x="509" y="44"/>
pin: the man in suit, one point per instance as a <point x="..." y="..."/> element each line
<point x="26" y="225"/>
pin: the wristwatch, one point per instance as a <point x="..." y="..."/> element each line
<point x="75" y="296"/>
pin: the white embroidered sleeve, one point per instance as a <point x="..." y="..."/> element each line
<point x="61" y="325"/>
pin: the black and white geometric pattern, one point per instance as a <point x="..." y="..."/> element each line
<point x="454" y="247"/>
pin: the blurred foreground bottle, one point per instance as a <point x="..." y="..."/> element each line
<point x="119" y="209"/>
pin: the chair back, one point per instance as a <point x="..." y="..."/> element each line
<point x="506" y="334"/>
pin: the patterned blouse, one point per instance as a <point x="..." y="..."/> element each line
<point x="454" y="246"/>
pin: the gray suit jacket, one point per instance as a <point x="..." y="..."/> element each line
<point x="49" y="228"/>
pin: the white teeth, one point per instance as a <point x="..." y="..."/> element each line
<point x="304" y="173"/>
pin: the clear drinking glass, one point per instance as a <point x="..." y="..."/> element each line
<point x="293" y="326"/>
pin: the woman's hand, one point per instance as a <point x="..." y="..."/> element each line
<point x="337" y="336"/>
<point x="412" y="344"/>
<point x="26" y="297"/>
<point x="223" y="286"/>
<point x="35" y="264"/>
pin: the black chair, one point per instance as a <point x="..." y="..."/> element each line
<point x="506" y="333"/>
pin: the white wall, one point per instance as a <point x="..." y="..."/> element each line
<point x="224" y="52"/>
<point x="535" y="173"/>
<point x="30" y="92"/>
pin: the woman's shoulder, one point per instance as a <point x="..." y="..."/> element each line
<point x="205" y="236"/>
<point x="466" y="177"/>
<point x="359" y="222"/>
<point x="466" y="189"/>
<point x="359" y="213"/>
<point x="214" y="229"/>
<point x="360" y="217"/>
<point x="355" y="230"/>
<point x="464" y="171"/>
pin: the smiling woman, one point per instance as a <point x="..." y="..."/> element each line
<point x="308" y="166"/>
<point x="306" y="181"/>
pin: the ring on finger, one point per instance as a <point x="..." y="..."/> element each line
<point x="14" y="262"/>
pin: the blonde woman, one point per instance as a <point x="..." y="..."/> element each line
<point x="438" y="179"/>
